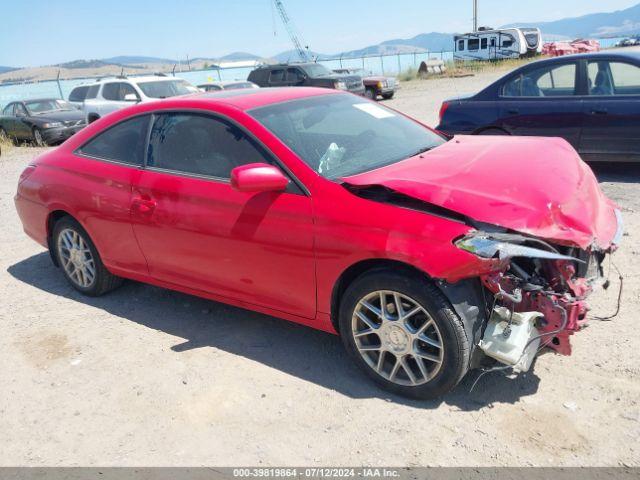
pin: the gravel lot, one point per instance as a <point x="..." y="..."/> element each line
<point x="146" y="377"/>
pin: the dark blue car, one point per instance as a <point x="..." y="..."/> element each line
<point x="591" y="100"/>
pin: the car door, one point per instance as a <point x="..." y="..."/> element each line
<point x="7" y="120"/>
<point x="611" y="130"/>
<point x="198" y="232"/>
<point x="103" y="173"/>
<point x="22" y="126"/>
<point x="543" y="101"/>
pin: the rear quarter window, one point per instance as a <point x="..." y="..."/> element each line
<point x="124" y="142"/>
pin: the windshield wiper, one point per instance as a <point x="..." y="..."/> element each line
<point x="422" y="150"/>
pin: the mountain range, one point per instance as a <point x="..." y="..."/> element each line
<point x="618" y="23"/>
<point x="611" y="24"/>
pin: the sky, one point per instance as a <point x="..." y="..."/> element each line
<point x="47" y="32"/>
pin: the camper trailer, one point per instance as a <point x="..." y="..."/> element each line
<point x="490" y="44"/>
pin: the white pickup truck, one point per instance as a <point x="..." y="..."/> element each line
<point x="109" y="95"/>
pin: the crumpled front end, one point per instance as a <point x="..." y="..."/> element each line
<point x="536" y="216"/>
<point x="539" y="297"/>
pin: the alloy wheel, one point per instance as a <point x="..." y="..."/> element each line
<point x="76" y="258"/>
<point x="397" y="338"/>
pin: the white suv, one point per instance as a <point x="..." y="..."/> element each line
<point x="109" y="95"/>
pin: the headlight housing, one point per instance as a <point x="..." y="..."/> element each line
<point x="51" y="124"/>
<point x="506" y="245"/>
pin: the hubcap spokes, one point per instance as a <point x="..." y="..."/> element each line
<point x="397" y="338"/>
<point x="76" y="258"/>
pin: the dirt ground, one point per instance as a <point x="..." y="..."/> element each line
<point x="149" y="377"/>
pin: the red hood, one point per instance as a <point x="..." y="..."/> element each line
<point x="536" y="186"/>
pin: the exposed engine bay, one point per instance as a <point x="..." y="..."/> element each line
<point x="539" y="298"/>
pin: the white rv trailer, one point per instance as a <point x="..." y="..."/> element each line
<point x="489" y="44"/>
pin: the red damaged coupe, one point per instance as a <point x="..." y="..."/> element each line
<point x="428" y="256"/>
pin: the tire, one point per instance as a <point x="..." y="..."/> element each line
<point x="388" y="96"/>
<point x="92" y="118"/>
<point x="445" y="357"/>
<point x="38" y="140"/>
<point x="67" y="231"/>
<point x="371" y="94"/>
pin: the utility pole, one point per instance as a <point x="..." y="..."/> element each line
<point x="475" y="16"/>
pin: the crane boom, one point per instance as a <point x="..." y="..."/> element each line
<point x="302" y="52"/>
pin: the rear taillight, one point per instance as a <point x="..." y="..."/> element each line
<point x="25" y="173"/>
<point x="443" y="108"/>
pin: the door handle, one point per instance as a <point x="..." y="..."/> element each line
<point x="513" y="111"/>
<point x="143" y="206"/>
<point x="599" y="111"/>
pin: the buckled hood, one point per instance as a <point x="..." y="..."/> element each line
<point x="535" y="186"/>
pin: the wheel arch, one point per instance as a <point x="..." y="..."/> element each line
<point x="53" y="218"/>
<point x="466" y="296"/>
<point x="357" y="269"/>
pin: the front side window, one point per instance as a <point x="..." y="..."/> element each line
<point x="277" y="76"/>
<point x="294" y="75"/>
<point x="342" y="135"/>
<point x="543" y="82"/>
<point x="118" y="91"/>
<point x="124" y="142"/>
<point x="20" y="111"/>
<point x="200" y="145"/>
<point x="93" y="91"/>
<point x="165" y="88"/>
<point x="613" y="78"/>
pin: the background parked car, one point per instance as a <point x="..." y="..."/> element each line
<point x="305" y="75"/>
<point x="590" y="100"/>
<point x="44" y="121"/>
<point x="112" y="94"/>
<point x="78" y="94"/>
<point x="226" y="85"/>
<point x="375" y="85"/>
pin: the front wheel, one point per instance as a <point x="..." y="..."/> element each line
<point x="388" y="96"/>
<point x="80" y="261"/>
<point x="38" y="140"/>
<point x="404" y="334"/>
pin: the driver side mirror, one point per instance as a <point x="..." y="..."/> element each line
<point x="258" y="177"/>
<point x="131" y="97"/>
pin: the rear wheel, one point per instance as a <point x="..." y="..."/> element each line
<point x="80" y="261"/>
<point x="404" y="334"/>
